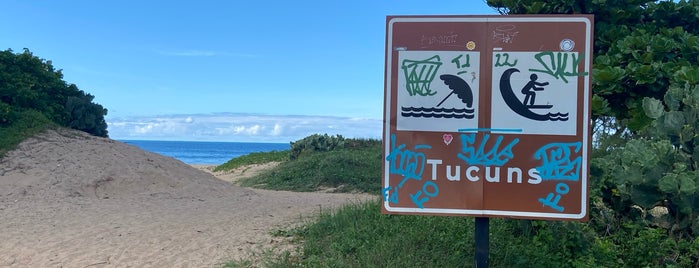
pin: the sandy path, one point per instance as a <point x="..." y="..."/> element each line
<point x="149" y="232"/>
<point x="83" y="217"/>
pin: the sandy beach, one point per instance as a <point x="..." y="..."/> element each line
<point x="72" y="200"/>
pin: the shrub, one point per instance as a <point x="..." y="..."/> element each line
<point x="316" y="143"/>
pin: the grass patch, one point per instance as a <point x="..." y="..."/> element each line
<point x="358" y="235"/>
<point x="346" y="170"/>
<point x="25" y="124"/>
<point x="254" y="158"/>
<point x="263" y="258"/>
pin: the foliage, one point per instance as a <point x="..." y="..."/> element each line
<point x="640" y="46"/>
<point x="659" y="170"/>
<point x="30" y="83"/>
<point x="645" y="82"/>
<point x="316" y="143"/>
<point x="633" y="70"/>
<point x="7" y="114"/>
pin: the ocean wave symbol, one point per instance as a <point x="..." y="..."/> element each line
<point x="438" y="112"/>
<point x="558" y="116"/>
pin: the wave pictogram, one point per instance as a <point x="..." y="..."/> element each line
<point x="558" y="116"/>
<point x="437" y="112"/>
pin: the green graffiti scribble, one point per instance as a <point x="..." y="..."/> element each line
<point x="459" y="65"/>
<point x="559" y="63"/>
<point x="419" y="75"/>
<point x="506" y="58"/>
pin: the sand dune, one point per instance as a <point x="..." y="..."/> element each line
<point x="68" y="199"/>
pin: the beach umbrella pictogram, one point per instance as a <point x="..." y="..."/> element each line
<point x="458" y="86"/>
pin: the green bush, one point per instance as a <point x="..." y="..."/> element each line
<point x="316" y="143"/>
<point x="6" y="114"/>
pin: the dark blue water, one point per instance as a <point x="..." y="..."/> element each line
<point x="207" y="153"/>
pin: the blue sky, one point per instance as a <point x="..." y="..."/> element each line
<point x="271" y="71"/>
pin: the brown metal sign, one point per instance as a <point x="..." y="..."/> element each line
<point x="487" y="116"/>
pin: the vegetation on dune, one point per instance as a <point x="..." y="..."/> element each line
<point x="253" y="158"/>
<point x="27" y="124"/>
<point x="34" y="97"/>
<point x="644" y="181"/>
<point x="318" y="162"/>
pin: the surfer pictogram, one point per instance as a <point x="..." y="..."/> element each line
<point x="529" y="90"/>
<point x="524" y="108"/>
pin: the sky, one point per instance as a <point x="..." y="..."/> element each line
<point x="243" y="71"/>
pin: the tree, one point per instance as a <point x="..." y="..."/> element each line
<point x="640" y="48"/>
<point x="30" y="83"/>
<point x="645" y="81"/>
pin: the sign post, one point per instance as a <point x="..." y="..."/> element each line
<point x="482" y="237"/>
<point x="487" y="116"/>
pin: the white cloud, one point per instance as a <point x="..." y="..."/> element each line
<point x="278" y="129"/>
<point x="145" y="129"/>
<point x="239" y="127"/>
<point x="247" y="130"/>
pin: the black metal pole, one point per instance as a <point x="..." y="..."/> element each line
<point x="482" y="241"/>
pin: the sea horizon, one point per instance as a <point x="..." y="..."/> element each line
<point x="172" y="140"/>
<point x="205" y="152"/>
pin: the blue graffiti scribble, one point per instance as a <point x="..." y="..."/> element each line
<point x="557" y="162"/>
<point x="494" y="156"/>
<point x="418" y="201"/>
<point x="390" y="196"/>
<point x="407" y="163"/>
<point x="410" y="165"/>
<point x="552" y="199"/>
<point x="422" y="146"/>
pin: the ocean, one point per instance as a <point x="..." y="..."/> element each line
<point x="205" y="153"/>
